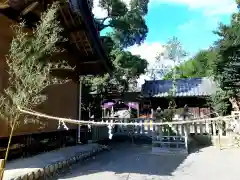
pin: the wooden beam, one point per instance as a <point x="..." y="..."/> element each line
<point x="29" y="8"/>
<point x="90" y="69"/>
<point x="4" y="6"/>
<point x="76" y="28"/>
<point x="89" y="62"/>
<point x="83" y="69"/>
<point x="66" y="22"/>
<point x="30" y="19"/>
<point x="65" y="74"/>
<point x="74" y="58"/>
<point x="44" y="5"/>
<point x="10" y="13"/>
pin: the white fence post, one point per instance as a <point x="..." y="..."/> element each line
<point x="186" y="136"/>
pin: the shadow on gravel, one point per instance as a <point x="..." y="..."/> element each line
<point x="125" y="158"/>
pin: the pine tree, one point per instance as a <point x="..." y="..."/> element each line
<point x="227" y="67"/>
<point x="29" y="67"/>
<point x="231" y="70"/>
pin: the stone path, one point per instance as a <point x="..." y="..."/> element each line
<point x="26" y="166"/>
<point x="137" y="163"/>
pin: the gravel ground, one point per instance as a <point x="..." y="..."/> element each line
<point x="128" y="162"/>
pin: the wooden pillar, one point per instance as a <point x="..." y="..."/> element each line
<point x="186" y="133"/>
<point x="2" y="165"/>
<point x="138" y="110"/>
<point x="79" y="110"/>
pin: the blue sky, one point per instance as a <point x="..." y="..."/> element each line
<point x="192" y="21"/>
<point x="191" y="26"/>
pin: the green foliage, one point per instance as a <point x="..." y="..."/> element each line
<point x="128" y="23"/>
<point x="127" y="69"/>
<point x="220" y="62"/>
<point x="128" y="28"/>
<point x="175" y="52"/>
<point x="165" y="115"/>
<point x="220" y="102"/>
<point x="227" y="67"/>
<point x="201" y="65"/>
<point x="204" y="65"/>
<point x="29" y="66"/>
<point x="168" y="115"/>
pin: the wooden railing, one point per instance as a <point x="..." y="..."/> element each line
<point x="145" y="127"/>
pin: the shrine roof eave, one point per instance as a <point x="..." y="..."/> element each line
<point x="85" y="28"/>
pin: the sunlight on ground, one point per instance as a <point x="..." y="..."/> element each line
<point x="137" y="163"/>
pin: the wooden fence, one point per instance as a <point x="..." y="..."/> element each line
<point x="144" y="127"/>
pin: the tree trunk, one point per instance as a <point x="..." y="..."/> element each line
<point x="235" y="103"/>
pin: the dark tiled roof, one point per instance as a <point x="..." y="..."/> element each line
<point x="185" y="87"/>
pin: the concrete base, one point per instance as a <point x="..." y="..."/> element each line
<point x="207" y="140"/>
<point x="170" y="151"/>
<point x="47" y="164"/>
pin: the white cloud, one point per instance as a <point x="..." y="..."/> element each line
<point x="209" y="7"/>
<point x="195" y="25"/>
<point x="230" y="8"/>
<point x="99" y="12"/>
<point x="149" y="51"/>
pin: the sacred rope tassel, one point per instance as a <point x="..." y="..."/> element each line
<point x="110" y="127"/>
<point x="63" y="123"/>
<point x="59" y="124"/>
<point x="89" y="127"/>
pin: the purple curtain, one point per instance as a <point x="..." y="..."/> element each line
<point x="108" y="105"/>
<point x="133" y="105"/>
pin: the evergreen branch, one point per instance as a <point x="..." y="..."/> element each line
<point x="29" y="66"/>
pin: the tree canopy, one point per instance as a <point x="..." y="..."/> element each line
<point x="220" y="62"/>
<point x="226" y="69"/>
<point x="128" y="28"/>
<point x="126" y="20"/>
<point x="201" y="65"/>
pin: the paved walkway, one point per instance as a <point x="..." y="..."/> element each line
<point x="24" y="166"/>
<point x="137" y="163"/>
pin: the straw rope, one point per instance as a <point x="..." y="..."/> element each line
<point x="82" y="122"/>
